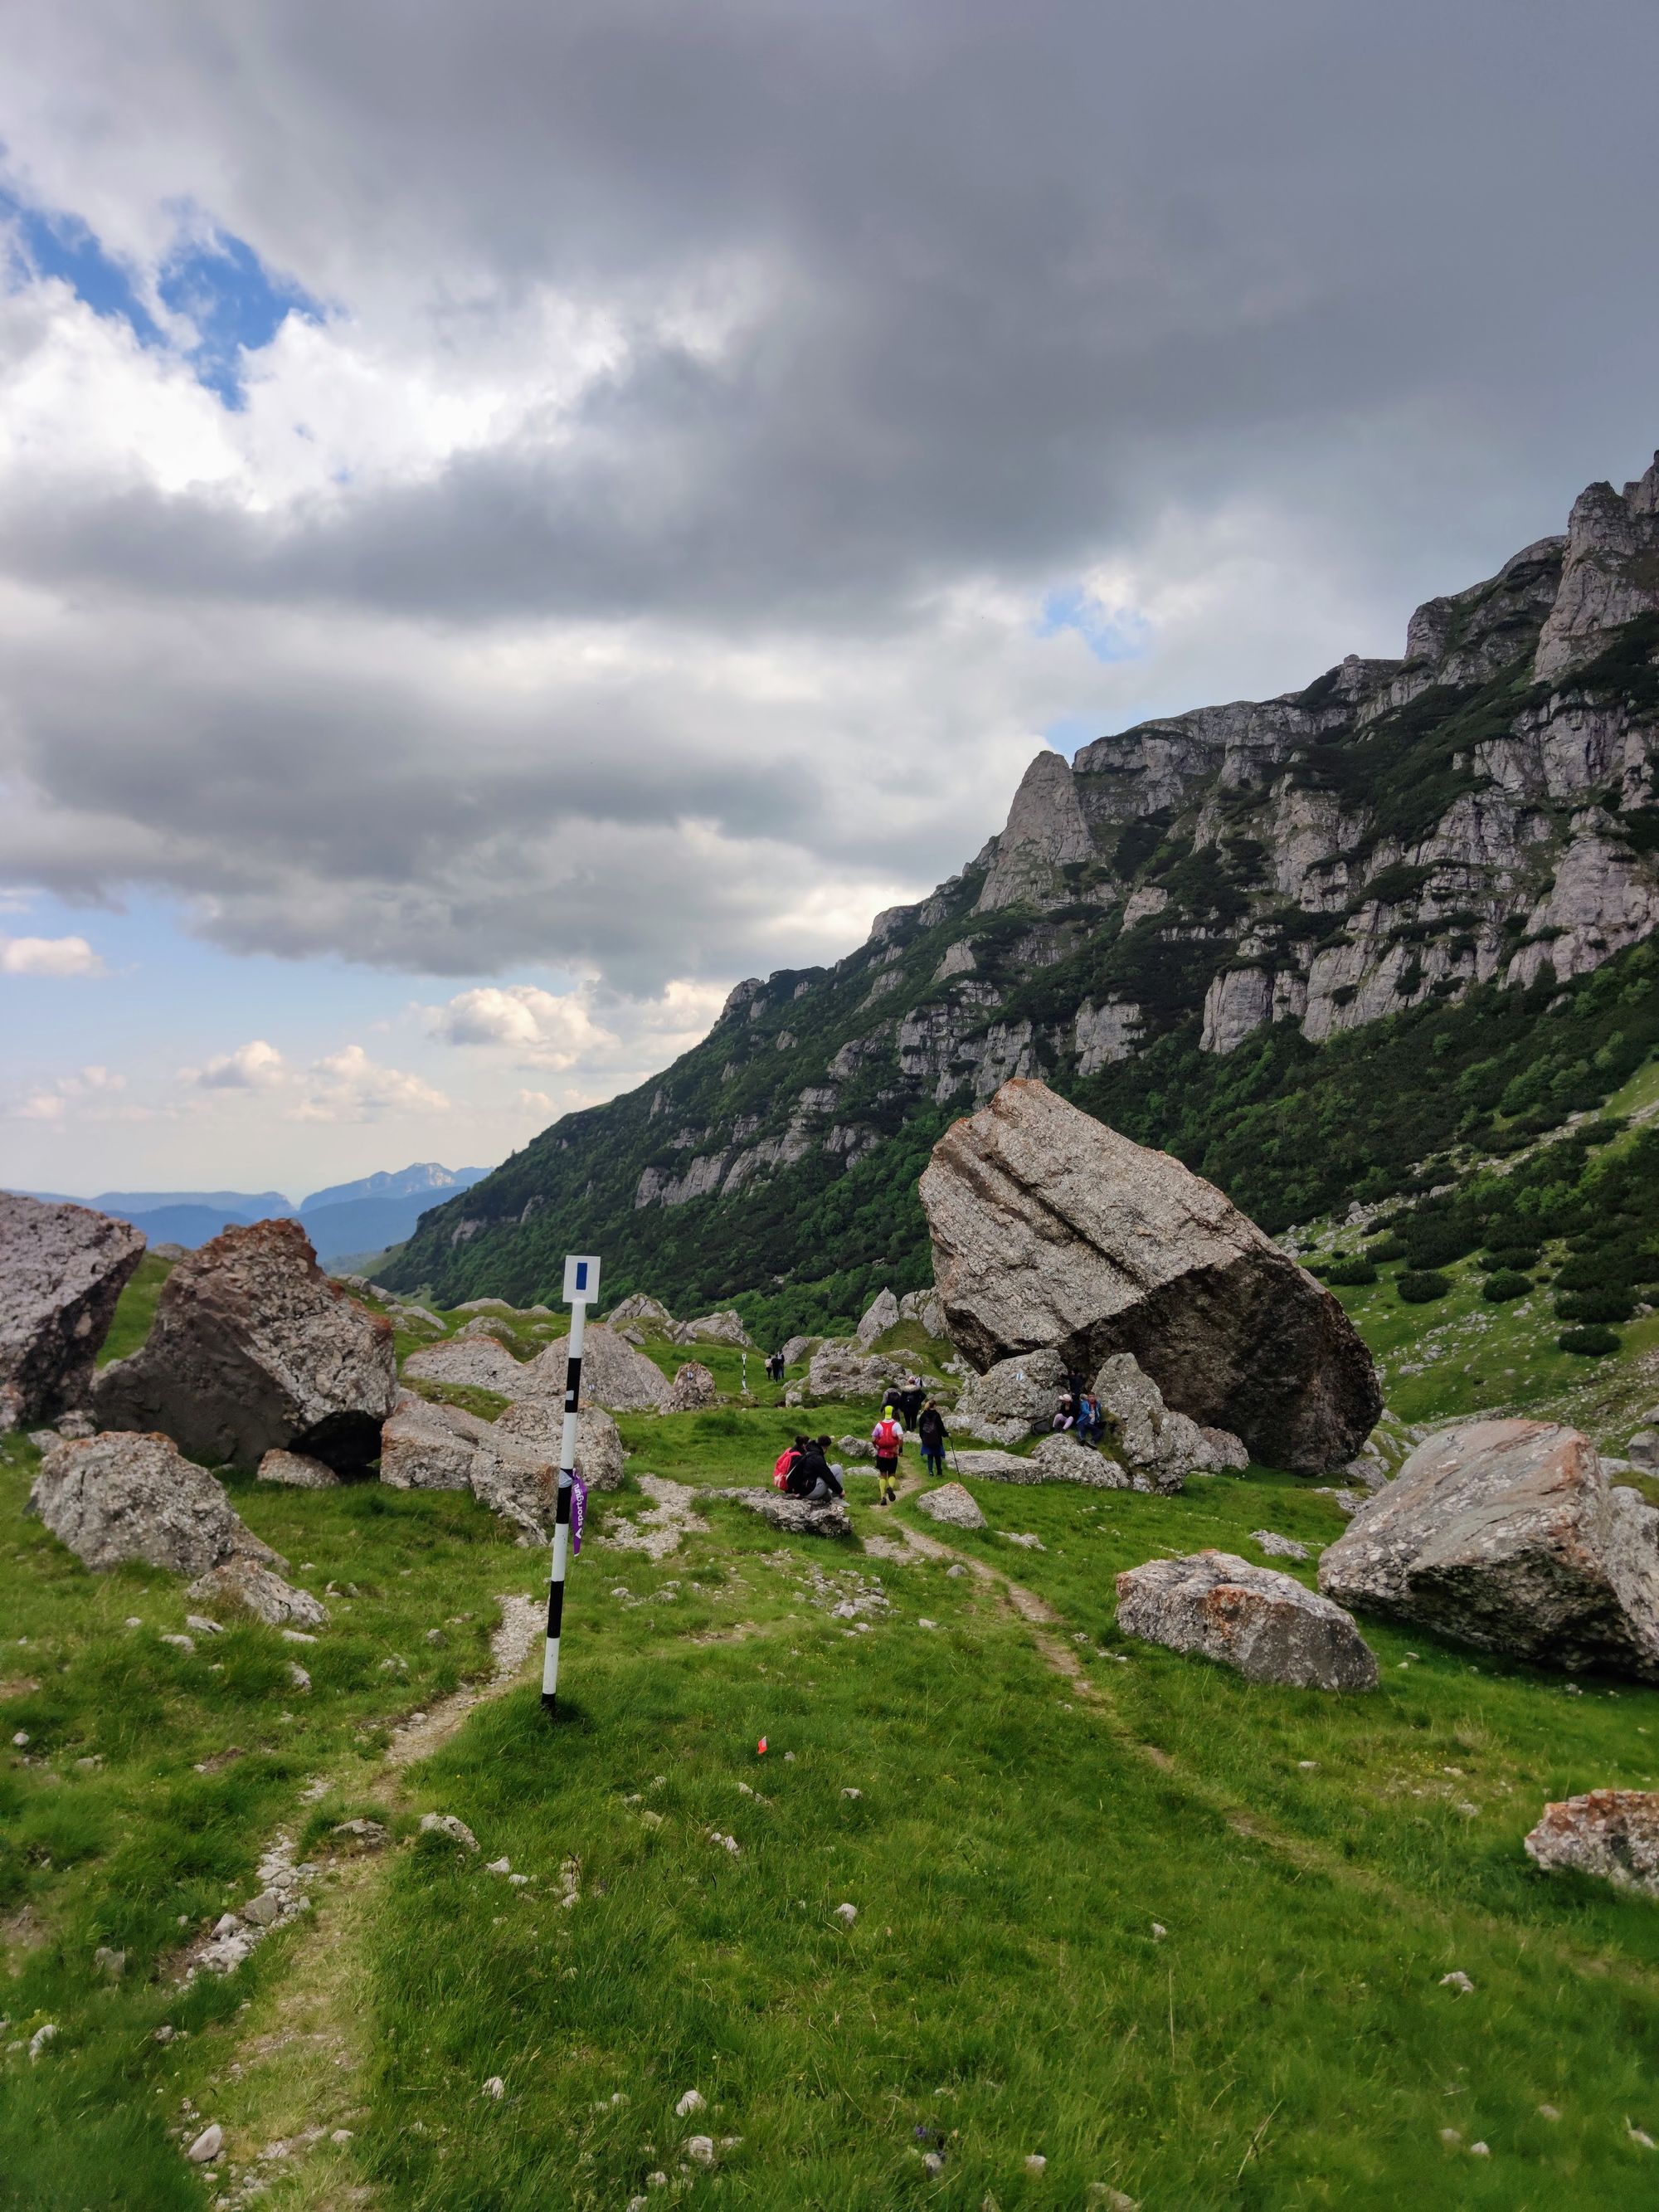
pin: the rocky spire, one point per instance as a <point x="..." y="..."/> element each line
<point x="1045" y="831"/>
<point x="1611" y="576"/>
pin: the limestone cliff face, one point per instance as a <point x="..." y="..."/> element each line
<point x="1395" y="833"/>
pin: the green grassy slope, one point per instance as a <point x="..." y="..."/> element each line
<point x="1317" y="1865"/>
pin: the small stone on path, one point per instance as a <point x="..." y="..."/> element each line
<point x="207" y="2146"/>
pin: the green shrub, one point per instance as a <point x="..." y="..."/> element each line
<point x="1421" y="1287"/>
<point x="1510" y="1259"/>
<point x="1505" y="1285"/>
<point x="1351" y="1273"/>
<point x="1610" y="1304"/>
<point x="1391" y="1248"/>
<point x="1587" y="1343"/>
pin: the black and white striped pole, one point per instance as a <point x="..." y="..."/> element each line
<point x="581" y="1288"/>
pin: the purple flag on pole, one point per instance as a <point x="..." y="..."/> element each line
<point x="578" y="1510"/>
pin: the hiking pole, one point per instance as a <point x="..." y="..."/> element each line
<point x="581" y="1283"/>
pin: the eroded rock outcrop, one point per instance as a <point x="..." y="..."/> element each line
<point x="62" y="1269"/>
<point x="1611" y="574"/>
<point x="614" y="1374"/>
<point x="951" y="1506"/>
<point x="1506" y="1534"/>
<point x="1052" y="1231"/>
<point x="1612" y="1834"/>
<point x="125" y="1496"/>
<point x="1262" y="1624"/>
<point x="253" y="1349"/>
<point x="692" y="1390"/>
<point x="879" y="1315"/>
<point x="838" y="1369"/>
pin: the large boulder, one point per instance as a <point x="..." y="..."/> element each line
<point x="62" y="1269"/>
<point x="1013" y="1398"/>
<point x="879" y="1315"/>
<point x="118" y="1498"/>
<point x="839" y="1369"/>
<point x="1507" y="1535"/>
<point x="924" y="1307"/>
<point x="475" y="1362"/>
<point x="1052" y="1231"/>
<point x="1061" y="1458"/>
<point x="253" y="1348"/>
<point x="692" y="1390"/>
<point x="614" y="1374"/>
<point x="427" y="1446"/>
<point x="642" y="1306"/>
<point x="1261" y="1623"/>
<point x="538" y="1421"/>
<point x="1611" y="1834"/>
<point x="1160" y="1447"/>
<point x="799" y="1347"/>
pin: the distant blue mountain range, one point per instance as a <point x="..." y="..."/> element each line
<point x="345" y="1218"/>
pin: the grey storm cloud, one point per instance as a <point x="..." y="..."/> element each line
<point x="997" y="290"/>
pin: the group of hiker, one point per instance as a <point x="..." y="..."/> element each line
<point x="804" y="1469"/>
<point x="1078" y="1413"/>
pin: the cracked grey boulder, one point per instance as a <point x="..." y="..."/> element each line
<point x="537" y="1421"/>
<point x="614" y="1374"/>
<point x="1611" y="1834"/>
<point x="839" y="1369"/>
<point x="1051" y="1232"/>
<point x="714" y="1328"/>
<point x="426" y="1445"/>
<point x="795" y="1516"/>
<point x="297" y="1472"/>
<point x="1014" y="1399"/>
<point x="641" y="1307"/>
<point x="117" y="1497"/>
<point x="253" y="1349"/>
<point x="1507" y="1535"/>
<point x="879" y="1315"/>
<point x="1262" y="1624"/>
<point x="62" y="1269"/>
<point x="1159" y="1448"/>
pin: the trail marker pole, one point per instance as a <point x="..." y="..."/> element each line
<point x="581" y="1288"/>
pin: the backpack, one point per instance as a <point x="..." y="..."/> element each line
<point x="888" y="1438"/>
<point x="801" y="1477"/>
<point x="782" y="1467"/>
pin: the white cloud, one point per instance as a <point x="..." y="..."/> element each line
<point x="254" y="1066"/>
<point x="542" y="1029"/>
<point x="348" y="1086"/>
<point x="48" y="956"/>
<point x="89" y="1094"/>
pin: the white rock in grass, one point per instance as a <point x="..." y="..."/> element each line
<point x="1036" y="2163"/>
<point x="41" y="2039"/>
<point x="445" y="1824"/>
<point x="952" y="1506"/>
<point x="498" y="1865"/>
<point x="202" y="1626"/>
<point x="700" y="2149"/>
<point x="207" y="2146"/>
<point x="1458" y="1980"/>
<point x="494" y="2087"/>
<point x="20" y="1740"/>
<point x="297" y="1675"/>
<point x="847" y="1914"/>
<point x="180" y="1643"/>
<point x="1277" y="1547"/>
<point x="692" y="2101"/>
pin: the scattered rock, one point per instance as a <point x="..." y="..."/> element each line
<point x="692" y="2102"/>
<point x="361" y="1835"/>
<point x="495" y="2087"/>
<point x="795" y="1516"/>
<point x="1506" y="1534"/>
<point x="692" y="1390"/>
<point x="1458" y="1980"/>
<point x="1643" y="1450"/>
<point x="1029" y="1543"/>
<point x="62" y="1269"/>
<point x="445" y="1824"/>
<point x="1052" y="1231"/>
<point x="1611" y="1834"/>
<point x="253" y="1349"/>
<point x="952" y="1506"/>
<point x="180" y="1643"/>
<point x="111" y="1963"/>
<point x="428" y="1446"/>
<point x="1262" y="1622"/>
<point x="700" y="2149"/>
<point x="298" y="1471"/>
<point x="207" y="2146"/>
<point x="202" y="1626"/>
<point x="245" y="1582"/>
<point x="114" y="1499"/>
<point x="1277" y="1547"/>
<point x="657" y="1531"/>
<point x="847" y="1914"/>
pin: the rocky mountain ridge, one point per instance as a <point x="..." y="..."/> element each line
<point x="1479" y="812"/>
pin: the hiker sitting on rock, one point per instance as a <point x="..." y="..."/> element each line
<point x="888" y="1438"/>
<point x="1090" y="1421"/>
<point x="784" y="1465"/>
<point x="812" y="1476"/>
<point x="932" y="1430"/>
<point x="1065" y="1412"/>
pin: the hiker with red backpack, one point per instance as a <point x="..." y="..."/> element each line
<point x="888" y="1438"/>
<point x="783" y="1466"/>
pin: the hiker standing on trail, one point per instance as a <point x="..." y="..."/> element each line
<point x="931" y="1431"/>
<point x="888" y="1438"/>
<point x="909" y="1401"/>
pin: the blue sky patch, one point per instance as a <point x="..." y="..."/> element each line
<point x="1110" y="635"/>
<point x="212" y="281"/>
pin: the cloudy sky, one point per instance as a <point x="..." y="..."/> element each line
<point x="514" y="515"/>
